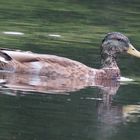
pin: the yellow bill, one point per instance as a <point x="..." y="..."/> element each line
<point x="132" y="51"/>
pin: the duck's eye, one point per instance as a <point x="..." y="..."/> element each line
<point x="119" y="39"/>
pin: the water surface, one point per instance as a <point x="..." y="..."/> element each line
<point x="39" y="108"/>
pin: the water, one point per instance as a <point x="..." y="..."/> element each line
<point x="38" y="108"/>
<point x="107" y="112"/>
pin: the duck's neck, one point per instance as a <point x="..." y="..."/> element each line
<point x="109" y="65"/>
<point x="109" y="62"/>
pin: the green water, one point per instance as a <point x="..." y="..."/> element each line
<point x="32" y="111"/>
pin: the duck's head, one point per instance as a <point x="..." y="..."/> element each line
<point x="113" y="44"/>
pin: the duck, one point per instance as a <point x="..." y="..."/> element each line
<point x="114" y="43"/>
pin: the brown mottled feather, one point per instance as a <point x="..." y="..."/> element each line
<point x="52" y="66"/>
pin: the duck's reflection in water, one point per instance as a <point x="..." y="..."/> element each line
<point x="54" y="85"/>
<point x="109" y="116"/>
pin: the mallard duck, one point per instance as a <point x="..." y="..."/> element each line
<point x="55" y="66"/>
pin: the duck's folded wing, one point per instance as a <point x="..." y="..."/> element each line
<point x="21" y="56"/>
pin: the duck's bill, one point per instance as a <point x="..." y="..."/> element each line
<point x="132" y="51"/>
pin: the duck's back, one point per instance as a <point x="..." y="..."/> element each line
<point x="61" y="66"/>
<point x="49" y="65"/>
